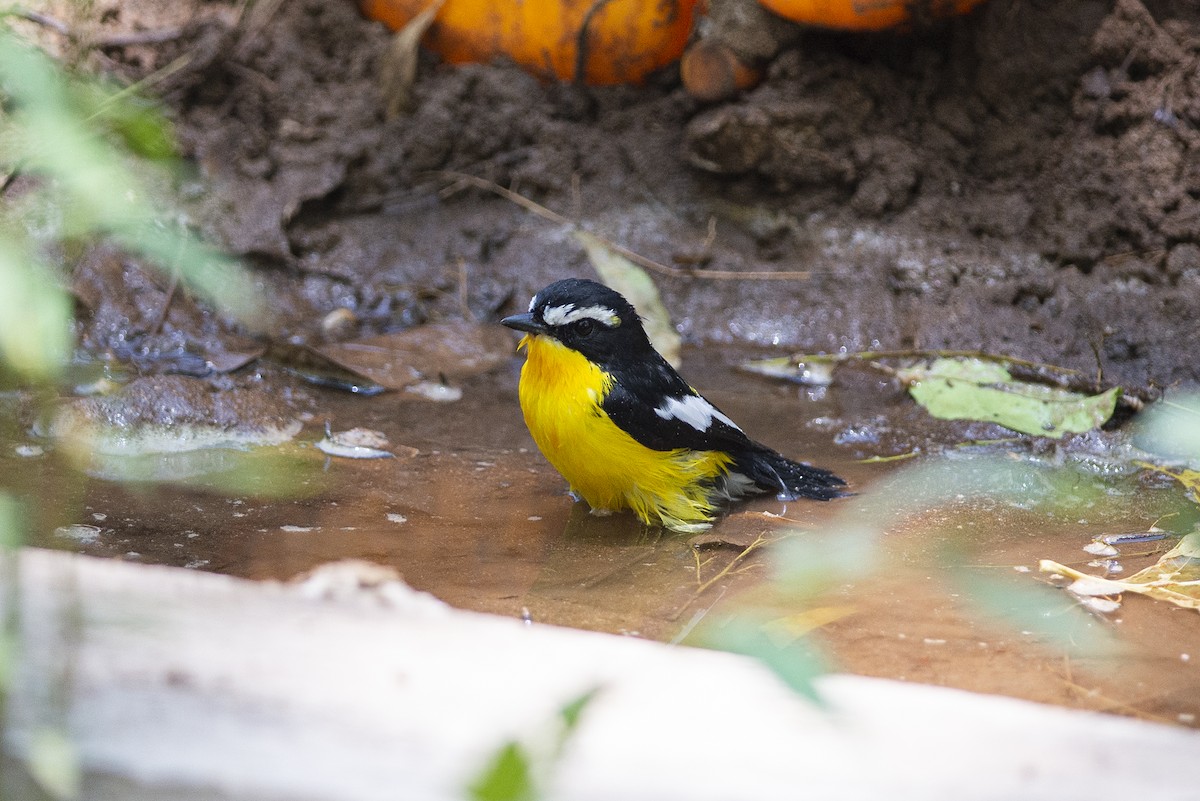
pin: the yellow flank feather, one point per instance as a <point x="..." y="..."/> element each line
<point x="561" y="392"/>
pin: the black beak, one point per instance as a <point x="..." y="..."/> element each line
<point x="525" y="322"/>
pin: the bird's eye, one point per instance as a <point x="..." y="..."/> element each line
<point x="584" y="327"/>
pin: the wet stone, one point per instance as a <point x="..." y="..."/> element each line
<point x="175" y="413"/>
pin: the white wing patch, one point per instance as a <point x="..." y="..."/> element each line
<point x="567" y="314"/>
<point x="693" y="410"/>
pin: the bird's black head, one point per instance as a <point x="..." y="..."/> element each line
<point x="587" y="317"/>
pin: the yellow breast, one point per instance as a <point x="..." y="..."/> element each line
<point x="561" y="392"/>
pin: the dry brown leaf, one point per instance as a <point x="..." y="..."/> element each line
<point x="398" y="74"/>
<point x="427" y="352"/>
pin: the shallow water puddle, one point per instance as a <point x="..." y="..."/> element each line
<point x="477" y="518"/>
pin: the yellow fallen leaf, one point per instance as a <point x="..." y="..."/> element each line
<point x="1175" y="577"/>
<point x="1189" y="478"/>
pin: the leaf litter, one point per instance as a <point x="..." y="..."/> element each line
<point x="1175" y="577"/>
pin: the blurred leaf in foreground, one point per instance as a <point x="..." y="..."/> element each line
<point x="135" y="120"/>
<point x="520" y="771"/>
<point x="11" y="536"/>
<point x="53" y="762"/>
<point x="851" y="549"/>
<point x="509" y="776"/>
<point x="974" y="389"/>
<point x="792" y="657"/>
<point x="267" y="473"/>
<point x="1172" y="429"/>
<point x="54" y="127"/>
<point x="1032" y="607"/>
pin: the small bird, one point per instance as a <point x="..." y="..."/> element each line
<point x="624" y="429"/>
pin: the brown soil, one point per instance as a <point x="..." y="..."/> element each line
<point x="1025" y="180"/>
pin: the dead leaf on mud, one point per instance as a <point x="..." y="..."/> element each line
<point x="315" y="368"/>
<point x="398" y="73"/>
<point x="425" y="353"/>
<point x="815" y="373"/>
<point x="1175" y="577"/>
<point x="233" y="355"/>
<point x="974" y="389"/>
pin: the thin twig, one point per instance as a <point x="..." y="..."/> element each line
<point x="463" y="179"/>
<point x="926" y="353"/>
<point x="252" y="18"/>
<point x="463" y="294"/>
<point x="158" y="76"/>
<point x="682" y="634"/>
<point x="45" y="20"/>
<point x="1108" y="704"/>
<point x="133" y="38"/>
<point x="761" y="540"/>
<point x="166" y="306"/>
<point x="115" y="40"/>
<point x="1133" y="398"/>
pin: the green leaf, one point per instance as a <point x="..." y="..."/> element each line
<point x="142" y="127"/>
<point x="509" y="777"/>
<point x="974" y="389"/>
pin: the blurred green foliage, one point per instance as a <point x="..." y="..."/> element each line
<point x="853" y="549"/>
<point x="1172" y="429"/>
<point x="81" y="162"/>
<point x="92" y="159"/>
<point x="520" y="771"/>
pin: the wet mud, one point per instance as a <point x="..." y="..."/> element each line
<point x="1022" y="180"/>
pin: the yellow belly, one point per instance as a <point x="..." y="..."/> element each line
<point x="560" y="394"/>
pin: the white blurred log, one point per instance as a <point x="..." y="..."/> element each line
<point x="186" y="681"/>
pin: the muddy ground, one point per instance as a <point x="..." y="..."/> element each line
<point x="1024" y="180"/>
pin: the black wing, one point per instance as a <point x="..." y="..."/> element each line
<point x="649" y="385"/>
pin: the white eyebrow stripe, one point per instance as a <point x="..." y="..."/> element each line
<point x="693" y="410"/>
<point x="532" y="303"/>
<point x="567" y="314"/>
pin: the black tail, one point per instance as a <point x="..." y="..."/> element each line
<point x="773" y="472"/>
